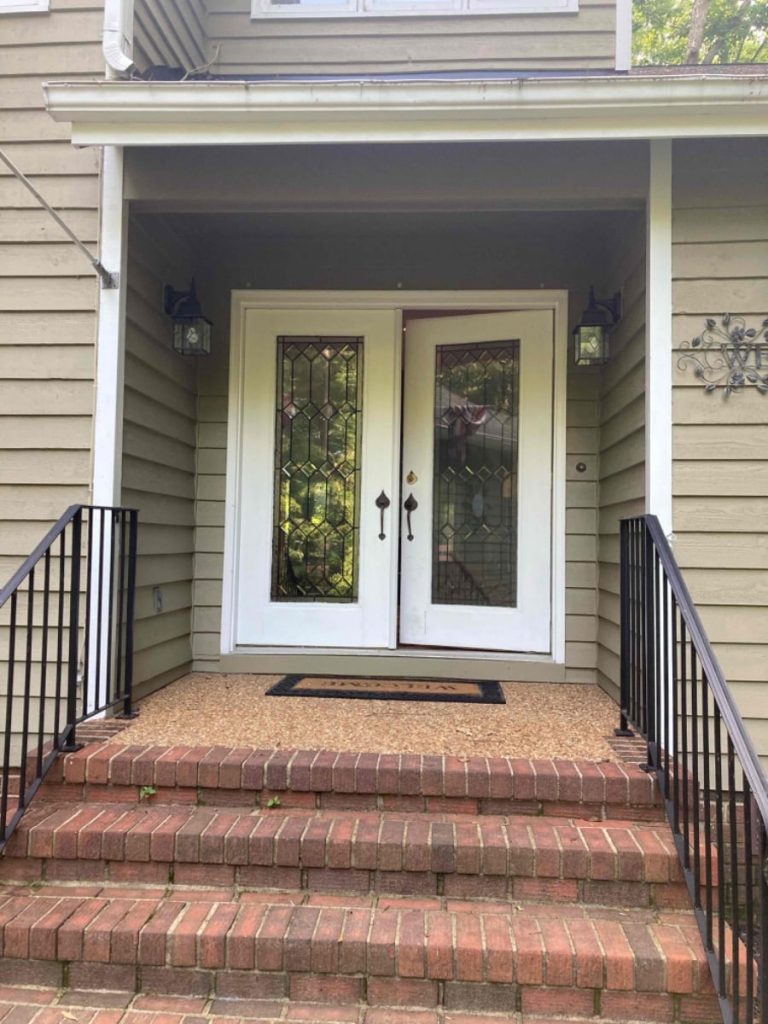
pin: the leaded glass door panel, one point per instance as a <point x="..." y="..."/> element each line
<point x="476" y="536"/>
<point x="318" y="552"/>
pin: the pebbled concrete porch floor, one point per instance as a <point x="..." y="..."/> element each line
<point x="539" y="720"/>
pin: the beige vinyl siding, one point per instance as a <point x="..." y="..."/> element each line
<point x="720" y="264"/>
<point x="622" y="452"/>
<point x="48" y="294"/>
<point x="159" y="427"/>
<point x="416" y="43"/>
<point x="169" y="32"/>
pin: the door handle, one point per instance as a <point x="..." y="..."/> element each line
<point x="382" y="503"/>
<point x="410" y="505"/>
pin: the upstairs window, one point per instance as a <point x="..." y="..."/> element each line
<point x="24" y="6"/>
<point x="399" y="8"/>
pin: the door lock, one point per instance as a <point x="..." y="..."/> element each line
<point x="411" y="478"/>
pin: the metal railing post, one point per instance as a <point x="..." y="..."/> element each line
<point x="649" y="654"/>
<point x="133" y="532"/>
<point x="624" y="650"/>
<point x="71" y="743"/>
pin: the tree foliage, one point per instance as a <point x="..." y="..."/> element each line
<point x="700" y="31"/>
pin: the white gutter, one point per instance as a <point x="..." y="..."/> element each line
<point x="117" y="38"/>
<point x="232" y="113"/>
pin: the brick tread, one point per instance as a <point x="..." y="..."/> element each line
<point x="416" y="781"/>
<point x="514" y="846"/>
<point x="36" y="1005"/>
<point x="418" y="940"/>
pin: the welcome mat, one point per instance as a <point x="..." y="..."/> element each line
<point x="473" y="691"/>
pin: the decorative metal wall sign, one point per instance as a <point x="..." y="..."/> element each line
<point x="729" y="355"/>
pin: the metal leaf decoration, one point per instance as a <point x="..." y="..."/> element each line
<point x="728" y="355"/>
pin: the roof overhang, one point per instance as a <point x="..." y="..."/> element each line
<point x="401" y="110"/>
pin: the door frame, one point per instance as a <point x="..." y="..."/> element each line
<point x="398" y="300"/>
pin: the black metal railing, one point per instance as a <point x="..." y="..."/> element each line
<point x="66" y="626"/>
<point x="715" y="792"/>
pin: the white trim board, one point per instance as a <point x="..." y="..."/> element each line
<point x="557" y="301"/>
<point x="658" y="342"/>
<point x="405" y="110"/>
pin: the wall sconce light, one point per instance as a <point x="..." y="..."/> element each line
<point x="191" y="330"/>
<point x="590" y="335"/>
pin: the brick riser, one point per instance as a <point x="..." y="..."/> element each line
<point x="351" y="950"/>
<point x="359" y="782"/>
<point x="494" y="858"/>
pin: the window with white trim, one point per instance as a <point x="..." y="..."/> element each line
<point x="398" y="8"/>
<point x="24" y="6"/>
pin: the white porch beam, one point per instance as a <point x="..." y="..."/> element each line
<point x="658" y="343"/>
<point x="402" y="110"/>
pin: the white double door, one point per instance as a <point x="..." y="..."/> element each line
<point x="394" y="485"/>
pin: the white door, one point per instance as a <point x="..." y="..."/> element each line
<point x="317" y="555"/>
<point x="476" y="548"/>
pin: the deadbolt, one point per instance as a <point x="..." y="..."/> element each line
<point x="411" y="478"/>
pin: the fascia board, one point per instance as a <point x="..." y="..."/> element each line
<point x="147" y="113"/>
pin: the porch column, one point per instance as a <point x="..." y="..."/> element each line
<point x="658" y="343"/>
<point x="110" y="347"/>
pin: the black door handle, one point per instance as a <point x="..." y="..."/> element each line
<point x="382" y="502"/>
<point x="410" y="505"/>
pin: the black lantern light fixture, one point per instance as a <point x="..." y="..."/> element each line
<point x="591" y="333"/>
<point x="191" y="330"/>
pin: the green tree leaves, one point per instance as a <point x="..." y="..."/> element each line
<point x="700" y="31"/>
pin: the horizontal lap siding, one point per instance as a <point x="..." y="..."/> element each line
<point x="48" y="294"/>
<point x="622" y="452"/>
<point x="459" y="42"/>
<point x="720" y="264"/>
<point x="159" y="426"/>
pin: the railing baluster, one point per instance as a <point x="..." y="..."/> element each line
<point x="9" y="697"/>
<point x="109" y="680"/>
<point x="684" y="748"/>
<point x="721" y="894"/>
<point x="28" y="658"/>
<point x="733" y="854"/>
<point x="43" y="662"/>
<point x="695" y="790"/>
<point x="749" y="907"/>
<point x="120" y="610"/>
<point x="74" y="629"/>
<point x="675" y="717"/>
<point x="99" y="612"/>
<point x="707" y="810"/>
<point x="88" y="668"/>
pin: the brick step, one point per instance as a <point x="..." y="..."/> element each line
<point x="374" y="950"/>
<point x="343" y="781"/>
<point x="34" y="1005"/>
<point x="617" y="863"/>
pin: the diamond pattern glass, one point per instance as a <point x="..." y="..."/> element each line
<point x="317" y="469"/>
<point x="474" y="535"/>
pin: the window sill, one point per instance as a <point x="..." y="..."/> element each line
<point x="262" y="9"/>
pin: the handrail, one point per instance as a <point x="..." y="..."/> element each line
<point x="714" y="789"/>
<point x="68" y="610"/>
<point x="734" y="723"/>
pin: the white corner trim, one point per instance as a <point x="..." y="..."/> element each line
<point x="623" y="35"/>
<point x="24" y="6"/>
<point x="235" y="113"/>
<point x="108" y="418"/>
<point x="658" y="344"/>
<point x="117" y="41"/>
<point x="554" y="300"/>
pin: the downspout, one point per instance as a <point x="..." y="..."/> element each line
<point x="117" y="43"/>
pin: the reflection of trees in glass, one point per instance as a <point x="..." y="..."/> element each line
<point x="475" y="486"/>
<point x="317" y="473"/>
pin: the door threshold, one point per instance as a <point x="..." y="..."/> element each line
<point x="396" y="652"/>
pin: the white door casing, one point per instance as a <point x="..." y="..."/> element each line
<point x="238" y="608"/>
<point x="525" y="627"/>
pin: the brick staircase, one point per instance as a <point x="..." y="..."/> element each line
<point x="296" y="885"/>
